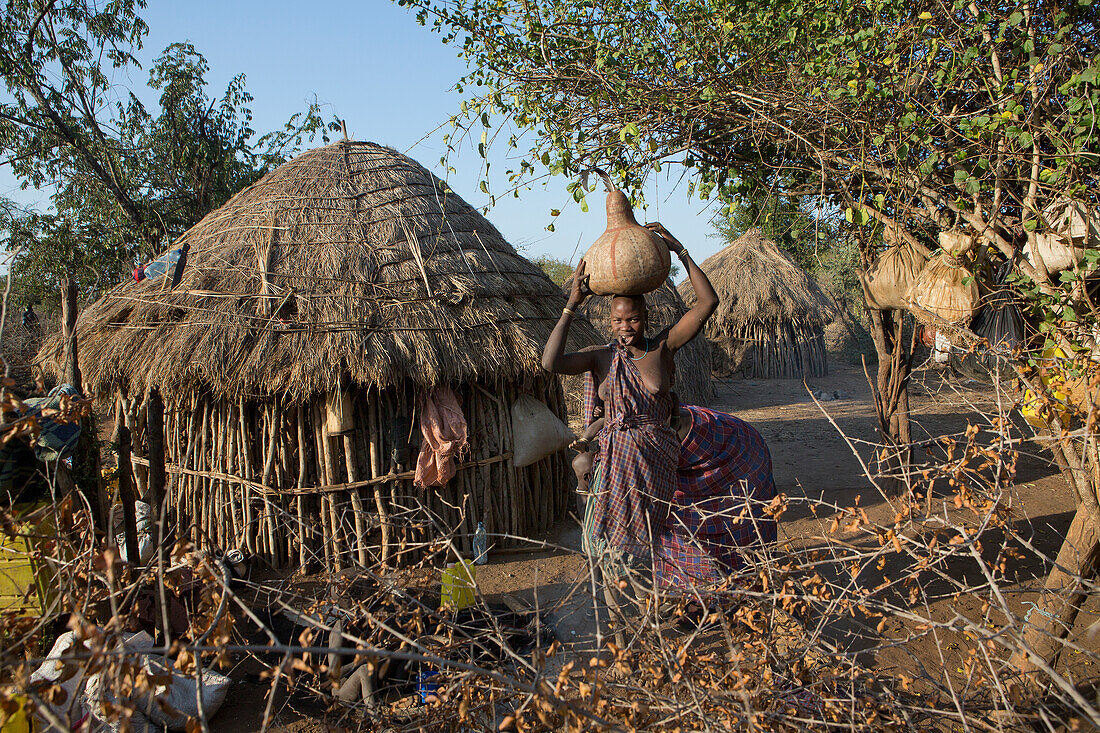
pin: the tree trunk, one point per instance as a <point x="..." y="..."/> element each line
<point x="1050" y="620"/>
<point x="1053" y="617"/>
<point x="891" y="390"/>
<point x="70" y="367"/>
<point x="86" y="464"/>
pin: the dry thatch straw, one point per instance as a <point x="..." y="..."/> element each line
<point x="315" y="310"/>
<point x="377" y="269"/>
<point x="665" y="307"/>
<point x="771" y="314"/>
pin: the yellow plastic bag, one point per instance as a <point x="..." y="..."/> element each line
<point x="459" y="580"/>
<point x="18" y="721"/>
<point x="1054" y="379"/>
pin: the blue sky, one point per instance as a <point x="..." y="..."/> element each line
<point x="372" y="65"/>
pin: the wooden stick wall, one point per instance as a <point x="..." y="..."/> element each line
<point x="787" y="350"/>
<point x="270" y="477"/>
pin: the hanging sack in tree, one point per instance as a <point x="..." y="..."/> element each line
<point x="1057" y="252"/>
<point x="536" y="432"/>
<point x="945" y="288"/>
<point x="1001" y="324"/>
<point x="956" y="242"/>
<point x="889" y="277"/>
<point x="1074" y="227"/>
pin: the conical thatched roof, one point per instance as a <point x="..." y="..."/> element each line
<point x="665" y="307"/>
<point x="771" y="314"/>
<point x="757" y="281"/>
<point x="350" y="261"/>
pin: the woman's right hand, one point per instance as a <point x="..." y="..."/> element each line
<point x="579" y="291"/>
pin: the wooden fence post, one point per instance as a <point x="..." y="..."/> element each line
<point x="126" y="487"/>
<point x="154" y="431"/>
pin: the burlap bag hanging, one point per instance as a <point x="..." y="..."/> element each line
<point x="1073" y="227"/>
<point x="956" y="242"/>
<point x="945" y="288"/>
<point x="1058" y="253"/>
<point x="536" y="432"/>
<point x="889" y="277"/>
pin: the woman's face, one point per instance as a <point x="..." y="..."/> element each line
<point x="628" y="322"/>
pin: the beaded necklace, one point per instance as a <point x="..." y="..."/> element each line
<point x="636" y="358"/>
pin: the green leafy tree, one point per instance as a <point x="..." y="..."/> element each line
<point x="125" y="180"/>
<point x="557" y="270"/>
<point x="920" y="116"/>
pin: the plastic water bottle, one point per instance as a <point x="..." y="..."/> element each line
<point x="481" y="549"/>
<point x="161" y="265"/>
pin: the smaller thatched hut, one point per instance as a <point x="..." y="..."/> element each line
<point x="771" y="315"/>
<point x="665" y="306"/>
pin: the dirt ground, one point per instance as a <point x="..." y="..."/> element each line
<point x="811" y="459"/>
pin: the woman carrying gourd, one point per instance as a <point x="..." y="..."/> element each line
<point x="636" y="480"/>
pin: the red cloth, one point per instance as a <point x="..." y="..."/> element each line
<point x="443" y="427"/>
<point x="720" y="507"/>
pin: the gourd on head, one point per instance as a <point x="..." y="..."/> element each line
<point x="627" y="259"/>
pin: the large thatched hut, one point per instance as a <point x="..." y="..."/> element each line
<point x="771" y="315"/>
<point x="314" y="312"/>
<point x="664" y="306"/>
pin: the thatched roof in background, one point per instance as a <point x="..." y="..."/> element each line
<point x="757" y="281"/>
<point x="665" y="307"/>
<point x="351" y="260"/>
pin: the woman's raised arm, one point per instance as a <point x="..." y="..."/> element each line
<point x="554" y="358"/>
<point x="706" y="300"/>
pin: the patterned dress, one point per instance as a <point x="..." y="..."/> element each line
<point x="638" y="458"/>
<point x="724" y="485"/>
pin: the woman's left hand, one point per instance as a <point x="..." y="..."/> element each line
<point x="659" y="229"/>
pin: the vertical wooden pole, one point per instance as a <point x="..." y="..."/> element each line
<point x="70" y="365"/>
<point x="324" y="477"/>
<point x="86" y="465"/>
<point x="126" y="487"/>
<point x="251" y="532"/>
<point x="154" y="429"/>
<point x="374" y="435"/>
<point x="305" y="535"/>
<point x="360" y="541"/>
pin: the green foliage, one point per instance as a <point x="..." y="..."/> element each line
<point x="784" y="221"/>
<point x="971" y="115"/>
<point x="126" y="180"/>
<point x="868" y="103"/>
<point x="49" y="248"/>
<point x="557" y="270"/>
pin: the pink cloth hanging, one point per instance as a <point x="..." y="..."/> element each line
<point x="443" y="427"/>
